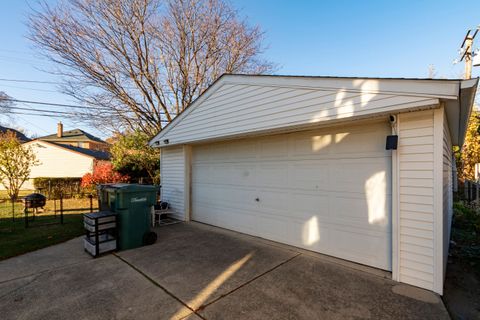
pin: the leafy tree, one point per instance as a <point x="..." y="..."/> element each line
<point x="103" y="172"/>
<point x="16" y="161"/>
<point x="138" y="63"/>
<point x="470" y="152"/>
<point x="132" y="155"/>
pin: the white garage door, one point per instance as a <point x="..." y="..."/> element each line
<point x="326" y="191"/>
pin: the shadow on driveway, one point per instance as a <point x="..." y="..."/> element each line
<point x="196" y="271"/>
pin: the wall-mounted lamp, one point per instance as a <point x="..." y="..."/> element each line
<point x="166" y="141"/>
<point x="392" y="142"/>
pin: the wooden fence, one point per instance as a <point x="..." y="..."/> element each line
<point x="468" y="191"/>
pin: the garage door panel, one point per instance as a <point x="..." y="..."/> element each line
<point x="273" y="229"/>
<point x="311" y="175"/>
<point x="222" y="172"/>
<point x="341" y="208"/>
<point x="303" y="206"/>
<point x="272" y="201"/>
<point x="326" y="192"/>
<point x="246" y="150"/>
<point x="310" y="145"/>
<point x="272" y="175"/>
<point x="358" y="176"/>
<point x="201" y="172"/>
<point x="234" y="219"/>
<point x="312" y="234"/>
<point x="361" y="247"/>
<point x="244" y="175"/>
<point x="221" y="197"/>
<point x="354" y="142"/>
<point x="273" y="148"/>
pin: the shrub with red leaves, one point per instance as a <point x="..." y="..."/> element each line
<point x="103" y="172"/>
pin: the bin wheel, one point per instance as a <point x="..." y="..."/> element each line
<point x="149" y="238"/>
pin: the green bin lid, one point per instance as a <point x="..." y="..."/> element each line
<point x="129" y="187"/>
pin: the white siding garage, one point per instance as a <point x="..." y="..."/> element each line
<point x="302" y="161"/>
<point x="172" y="167"/>
<point x="322" y="190"/>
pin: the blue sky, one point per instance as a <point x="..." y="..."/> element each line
<point x="334" y="38"/>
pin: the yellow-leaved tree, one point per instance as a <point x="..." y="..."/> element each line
<point x="470" y="154"/>
<point x="16" y="161"/>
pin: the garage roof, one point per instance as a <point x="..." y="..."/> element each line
<point x="243" y="105"/>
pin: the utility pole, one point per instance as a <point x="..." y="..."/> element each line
<point x="468" y="57"/>
<point x="466" y="50"/>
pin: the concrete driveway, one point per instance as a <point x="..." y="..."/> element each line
<point x="196" y="271"/>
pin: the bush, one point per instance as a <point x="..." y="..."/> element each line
<point x="103" y="172"/>
<point x="466" y="234"/>
<point x="54" y="187"/>
<point x="132" y="155"/>
<point x="467" y="217"/>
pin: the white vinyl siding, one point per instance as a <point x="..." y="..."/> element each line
<point x="448" y="164"/>
<point x="416" y="196"/>
<point x="172" y="175"/>
<point x="324" y="190"/>
<point x="238" y="109"/>
<point x="57" y="162"/>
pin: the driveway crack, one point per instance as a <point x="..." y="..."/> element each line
<point x="248" y="282"/>
<point x="158" y="285"/>
<point x="35" y="277"/>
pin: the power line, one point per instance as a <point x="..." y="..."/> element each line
<point x="40" y="128"/>
<point x="52" y="113"/>
<point x="35" y="114"/>
<point x="55" y="82"/>
<point x="26" y="88"/>
<point x="66" y="105"/>
<point x="43" y="110"/>
<point x="29" y="81"/>
<point x="54" y="104"/>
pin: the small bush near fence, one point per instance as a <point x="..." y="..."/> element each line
<point x="55" y="187"/>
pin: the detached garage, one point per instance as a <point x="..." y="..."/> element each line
<point x="303" y="161"/>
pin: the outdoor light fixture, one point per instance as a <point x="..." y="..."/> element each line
<point x="392" y="142"/>
<point x="166" y="141"/>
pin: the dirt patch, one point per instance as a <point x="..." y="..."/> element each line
<point x="462" y="292"/>
<point x="462" y="283"/>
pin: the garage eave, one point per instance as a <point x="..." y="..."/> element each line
<point x="313" y="124"/>
<point x="245" y="105"/>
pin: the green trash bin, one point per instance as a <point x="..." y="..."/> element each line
<point x="133" y="204"/>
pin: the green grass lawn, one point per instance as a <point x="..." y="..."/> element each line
<point x="45" y="230"/>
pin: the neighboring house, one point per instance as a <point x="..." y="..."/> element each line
<point x="20" y="136"/>
<point x="58" y="160"/>
<point x="303" y="161"/>
<point x="76" y="138"/>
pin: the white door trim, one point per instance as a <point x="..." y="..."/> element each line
<point x="395" y="205"/>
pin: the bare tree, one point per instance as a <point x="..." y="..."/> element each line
<point x="5" y="103"/>
<point x="138" y="63"/>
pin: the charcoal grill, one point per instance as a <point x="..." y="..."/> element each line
<point x="34" y="201"/>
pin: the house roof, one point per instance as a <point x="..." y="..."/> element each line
<point x="98" y="155"/>
<point x="75" y="135"/>
<point x="237" y="104"/>
<point x="20" y="136"/>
